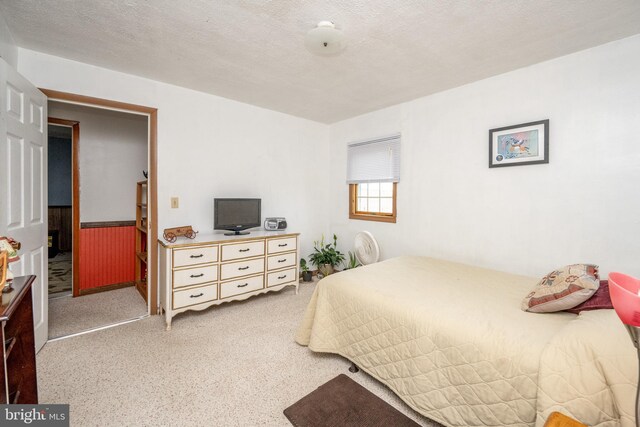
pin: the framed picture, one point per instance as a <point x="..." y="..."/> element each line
<point x="524" y="144"/>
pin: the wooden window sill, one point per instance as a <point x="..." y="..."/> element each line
<point x="369" y="217"/>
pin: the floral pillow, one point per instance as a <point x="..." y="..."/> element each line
<point x="563" y="289"/>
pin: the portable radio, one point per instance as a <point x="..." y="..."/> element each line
<point x="275" y="224"/>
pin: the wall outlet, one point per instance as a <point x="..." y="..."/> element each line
<point x="174" y="203"/>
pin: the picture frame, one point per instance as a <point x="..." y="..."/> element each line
<point x="517" y="145"/>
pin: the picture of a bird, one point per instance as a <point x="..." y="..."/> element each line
<point x="517" y="146"/>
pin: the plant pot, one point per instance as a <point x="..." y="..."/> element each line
<point x="307" y="276"/>
<point x="325" y="269"/>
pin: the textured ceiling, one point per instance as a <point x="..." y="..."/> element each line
<point x="253" y="50"/>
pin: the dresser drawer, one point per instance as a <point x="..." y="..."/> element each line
<point x="241" y="268"/>
<point x="281" y="245"/>
<point x="191" y="256"/>
<point x="242" y="250"/>
<point x="279" y="277"/>
<point x="237" y="287"/>
<point x="281" y="261"/>
<point x="194" y="276"/>
<point x="195" y="296"/>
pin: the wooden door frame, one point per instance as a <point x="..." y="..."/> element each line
<point x="75" y="200"/>
<point x="152" y="113"/>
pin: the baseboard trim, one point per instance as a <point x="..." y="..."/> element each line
<point x="106" y="288"/>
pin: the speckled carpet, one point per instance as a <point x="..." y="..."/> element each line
<point x="232" y="365"/>
<point x="68" y="315"/>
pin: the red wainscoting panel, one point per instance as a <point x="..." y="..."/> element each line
<point x="107" y="256"/>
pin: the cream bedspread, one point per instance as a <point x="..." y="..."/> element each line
<point x="452" y="342"/>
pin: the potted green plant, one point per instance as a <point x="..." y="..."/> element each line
<point x="353" y="261"/>
<point x="306" y="274"/>
<point x="326" y="256"/>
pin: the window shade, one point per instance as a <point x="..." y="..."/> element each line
<point x="374" y="160"/>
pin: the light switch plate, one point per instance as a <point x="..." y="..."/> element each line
<point x="174" y="203"/>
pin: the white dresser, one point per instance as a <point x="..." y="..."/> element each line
<point x="214" y="269"/>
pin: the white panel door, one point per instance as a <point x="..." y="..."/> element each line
<point x="23" y="184"/>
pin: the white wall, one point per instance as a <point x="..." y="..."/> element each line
<point x="112" y="155"/>
<point x="210" y="146"/>
<point x="8" y="49"/>
<point x="584" y="206"/>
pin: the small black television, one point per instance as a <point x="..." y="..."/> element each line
<point x="236" y="215"/>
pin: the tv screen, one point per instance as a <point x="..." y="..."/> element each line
<point x="236" y="214"/>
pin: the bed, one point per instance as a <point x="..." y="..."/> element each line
<point x="451" y="341"/>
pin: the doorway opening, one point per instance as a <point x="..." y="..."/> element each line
<point x="62" y="203"/>
<point x="112" y="155"/>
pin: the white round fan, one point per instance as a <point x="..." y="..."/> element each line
<point x="366" y="248"/>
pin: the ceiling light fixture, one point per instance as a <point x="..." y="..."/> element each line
<point x="325" y="39"/>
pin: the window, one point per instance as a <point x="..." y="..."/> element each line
<point x="373" y="173"/>
<point x="375" y="201"/>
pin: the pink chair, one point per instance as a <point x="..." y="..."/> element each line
<point x="625" y="296"/>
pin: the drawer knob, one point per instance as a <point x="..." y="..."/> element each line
<point x="242" y="286"/>
<point x="197" y="256"/>
<point x="196" y="296"/>
<point x="282" y="260"/>
<point x="197" y="275"/>
<point x="243" y="268"/>
<point x="244" y="250"/>
<point x="282" y="277"/>
<point x="282" y="245"/>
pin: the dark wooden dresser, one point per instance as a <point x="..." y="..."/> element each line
<point x="18" y="369"/>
